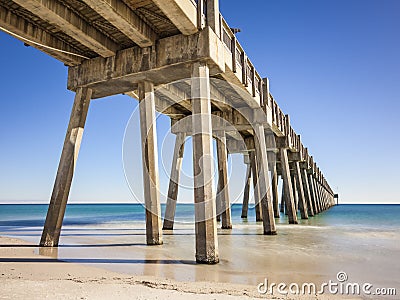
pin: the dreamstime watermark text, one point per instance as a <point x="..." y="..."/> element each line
<point x="340" y="286"/>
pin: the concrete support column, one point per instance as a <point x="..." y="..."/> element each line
<point x="325" y="198"/>
<point x="295" y="193"/>
<point x="287" y="183"/>
<point x="245" y="206"/>
<point x="299" y="183"/>
<point x="322" y="196"/>
<point x="317" y="196"/>
<point x="150" y="163"/>
<point x="312" y="194"/>
<point x="257" y="199"/>
<point x="174" y="181"/>
<point x="307" y="193"/>
<point x="321" y="193"/>
<point x="263" y="180"/>
<point x="275" y="199"/>
<point x="223" y="190"/>
<point x="283" y="199"/>
<point x="59" y="197"/>
<point x="204" y="194"/>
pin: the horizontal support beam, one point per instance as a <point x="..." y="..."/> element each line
<point x="165" y="62"/>
<point x="70" y="23"/>
<point x="182" y="13"/>
<point x="125" y="20"/>
<point x="35" y="36"/>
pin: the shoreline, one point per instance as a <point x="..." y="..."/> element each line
<point x="24" y="274"/>
<point x="19" y="269"/>
<point x="113" y="256"/>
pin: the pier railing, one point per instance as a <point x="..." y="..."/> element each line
<point x="240" y="64"/>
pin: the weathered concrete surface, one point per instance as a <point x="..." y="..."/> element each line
<point x="150" y="163"/>
<point x="245" y="206"/>
<point x="124" y="19"/>
<point x="59" y="197"/>
<point x="174" y="181"/>
<point x="181" y="12"/>
<point x="300" y="190"/>
<point x="223" y="187"/>
<point x="169" y="60"/>
<point x="263" y="180"/>
<point x="283" y="199"/>
<point x="307" y="192"/>
<point x="312" y="193"/>
<point x="67" y="21"/>
<point x="274" y="187"/>
<point x="289" y="196"/>
<point x="35" y="34"/>
<point x="204" y="195"/>
<point x="256" y="187"/>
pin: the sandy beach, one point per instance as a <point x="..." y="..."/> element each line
<point x="113" y="261"/>
<point x="25" y="274"/>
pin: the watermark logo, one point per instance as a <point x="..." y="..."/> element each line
<point x="340" y="286"/>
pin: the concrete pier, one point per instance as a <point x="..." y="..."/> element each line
<point x="59" y="197"/>
<point x="181" y="59"/>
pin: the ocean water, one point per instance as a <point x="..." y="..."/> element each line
<point x="356" y="216"/>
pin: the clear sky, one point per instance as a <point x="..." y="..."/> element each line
<point x="334" y="66"/>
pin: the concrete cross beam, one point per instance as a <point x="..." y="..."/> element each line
<point x="182" y="13"/>
<point x="65" y="20"/>
<point x="125" y="20"/>
<point x="34" y="36"/>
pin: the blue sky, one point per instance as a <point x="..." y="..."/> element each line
<point x="334" y="66"/>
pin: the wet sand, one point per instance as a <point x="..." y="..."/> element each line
<point x="297" y="254"/>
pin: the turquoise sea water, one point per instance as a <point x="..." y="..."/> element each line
<point x="361" y="217"/>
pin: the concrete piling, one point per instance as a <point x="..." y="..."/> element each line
<point x="204" y="195"/>
<point x="263" y="181"/>
<point x="150" y="163"/>
<point x="300" y="191"/>
<point x="174" y="181"/>
<point x="59" y="197"/>
<point x="274" y="188"/>
<point x="245" y="206"/>
<point x="287" y="183"/>
<point x="223" y="188"/>
<point x="256" y="188"/>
